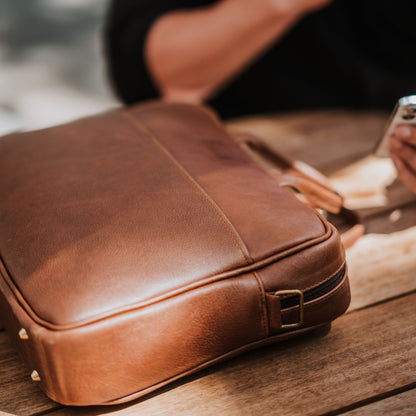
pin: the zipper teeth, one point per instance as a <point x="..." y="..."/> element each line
<point x="315" y="292"/>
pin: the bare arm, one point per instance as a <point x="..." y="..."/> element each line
<point x="193" y="53"/>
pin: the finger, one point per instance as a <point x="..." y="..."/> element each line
<point x="406" y="133"/>
<point x="405" y="152"/>
<point x="406" y="175"/>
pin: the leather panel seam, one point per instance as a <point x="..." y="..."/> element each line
<point x="131" y="307"/>
<point x="216" y="209"/>
<point x="262" y="305"/>
<point x="323" y="298"/>
<point x="326" y="279"/>
<point x="316" y="284"/>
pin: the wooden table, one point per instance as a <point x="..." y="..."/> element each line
<point x="366" y="364"/>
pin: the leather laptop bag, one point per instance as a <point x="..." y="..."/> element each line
<point x="144" y="244"/>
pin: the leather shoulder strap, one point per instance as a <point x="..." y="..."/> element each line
<point x="306" y="180"/>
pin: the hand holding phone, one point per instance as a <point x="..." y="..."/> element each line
<point x="403" y="113"/>
<point x="399" y="141"/>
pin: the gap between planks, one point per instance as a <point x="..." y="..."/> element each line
<point x="399" y="404"/>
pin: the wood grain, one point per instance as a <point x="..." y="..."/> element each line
<point x="367" y="352"/>
<point x="397" y="196"/>
<point x="18" y="394"/>
<point x="382" y="266"/>
<point x="345" y="135"/>
<point x="399" y="405"/>
<point x="381" y="224"/>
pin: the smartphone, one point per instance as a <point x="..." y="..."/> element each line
<point x="404" y="113"/>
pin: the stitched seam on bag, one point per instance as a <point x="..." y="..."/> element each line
<point x="324" y="297"/>
<point x="216" y="209"/>
<point x="262" y="306"/>
<point x="316" y="284"/>
<point x="329" y="294"/>
<point x="274" y="339"/>
<point x="212" y="115"/>
<point x="148" y="302"/>
<point x="324" y="280"/>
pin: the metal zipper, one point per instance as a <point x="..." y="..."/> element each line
<point x="315" y="292"/>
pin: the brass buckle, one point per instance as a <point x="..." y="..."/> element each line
<point x="300" y="294"/>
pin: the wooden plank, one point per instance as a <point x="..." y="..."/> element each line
<point x="383" y="225"/>
<point x="367" y="353"/>
<point x="397" y="196"/>
<point x="398" y="405"/>
<point x="18" y="395"/>
<point x="326" y="139"/>
<point x="381" y="267"/>
<point x="402" y="218"/>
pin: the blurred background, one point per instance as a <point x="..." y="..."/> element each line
<point x="51" y="62"/>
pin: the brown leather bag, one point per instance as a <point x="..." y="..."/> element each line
<point x="142" y="245"/>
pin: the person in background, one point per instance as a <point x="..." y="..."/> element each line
<point x="259" y="56"/>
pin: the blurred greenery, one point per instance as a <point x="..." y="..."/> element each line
<point x="28" y="23"/>
<point x="51" y="60"/>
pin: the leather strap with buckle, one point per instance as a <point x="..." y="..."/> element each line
<point x="300" y="294"/>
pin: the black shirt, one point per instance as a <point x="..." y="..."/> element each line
<point x="353" y="53"/>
